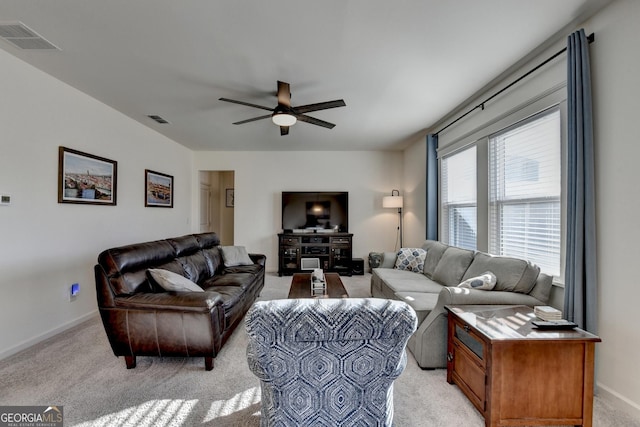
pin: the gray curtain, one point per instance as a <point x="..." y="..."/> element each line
<point x="432" y="187"/>
<point x="580" y="299"/>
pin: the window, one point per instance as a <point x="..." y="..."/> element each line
<point x="459" y="200"/>
<point x="524" y="191"/>
<point x="501" y="189"/>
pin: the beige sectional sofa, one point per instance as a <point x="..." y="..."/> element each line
<point x="445" y="267"/>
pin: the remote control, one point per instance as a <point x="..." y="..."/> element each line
<point x="562" y="324"/>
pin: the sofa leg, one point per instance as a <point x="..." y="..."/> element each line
<point x="208" y="363"/>
<point x="130" y="361"/>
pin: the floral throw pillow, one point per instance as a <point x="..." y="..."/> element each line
<point x="411" y="259"/>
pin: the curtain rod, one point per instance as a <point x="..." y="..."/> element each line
<point x="590" y="38"/>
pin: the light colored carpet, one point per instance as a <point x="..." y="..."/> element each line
<point x="77" y="370"/>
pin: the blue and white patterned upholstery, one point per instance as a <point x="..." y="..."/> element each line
<point x="328" y="362"/>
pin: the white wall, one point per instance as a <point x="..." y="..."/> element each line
<point x="46" y="246"/>
<point x="615" y="62"/>
<point x="616" y="91"/>
<point x="260" y="177"/>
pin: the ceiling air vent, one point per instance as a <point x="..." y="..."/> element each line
<point x="157" y="119"/>
<point x="24" y="37"/>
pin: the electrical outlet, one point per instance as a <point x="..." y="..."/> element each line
<point x="74" y="290"/>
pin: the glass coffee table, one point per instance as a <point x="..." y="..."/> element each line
<point x="301" y="287"/>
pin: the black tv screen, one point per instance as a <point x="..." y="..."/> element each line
<point x="306" y="211"/>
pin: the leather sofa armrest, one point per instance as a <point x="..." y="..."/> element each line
<point x="258" y="258"/>
<point x="170" y="301"/>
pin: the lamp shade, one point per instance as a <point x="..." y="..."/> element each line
<point x="392" y="202"/>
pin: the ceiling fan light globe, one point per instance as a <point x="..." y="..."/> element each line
<point x="284" y="119"/>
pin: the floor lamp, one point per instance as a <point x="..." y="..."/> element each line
<point x="395" y="201"/>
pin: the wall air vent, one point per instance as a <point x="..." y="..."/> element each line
<point x="24" y="37"/>
<point x="157" y="119"/>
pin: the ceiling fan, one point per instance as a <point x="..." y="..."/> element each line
<point x="285" y="115"/>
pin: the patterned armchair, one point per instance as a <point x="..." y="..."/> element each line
<point x="329" y="362"/>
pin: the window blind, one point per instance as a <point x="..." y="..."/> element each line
<point x="525" y="190"/>
<point x="459" y="198"/>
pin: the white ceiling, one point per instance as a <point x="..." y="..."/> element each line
<point x="399" y="65"/>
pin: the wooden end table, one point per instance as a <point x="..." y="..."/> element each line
<point x="301" y="286"/>
<point x="516" y="374"/>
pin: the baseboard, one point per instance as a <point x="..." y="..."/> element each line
<point x="618" y="401"/>
<point x="50" y="333"/>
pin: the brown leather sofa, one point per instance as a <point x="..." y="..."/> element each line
<point x="142" y="319"/>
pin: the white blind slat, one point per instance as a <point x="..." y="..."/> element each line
<point x="524" y="193"/>
<point x="459" y="198"/>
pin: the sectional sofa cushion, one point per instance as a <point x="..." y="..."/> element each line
<point x="542" y="289"/>
<point x="453" y="265"/>
<point x="434" y="250"/>
<point x="421" y="302"/>
<point x="512" y="274"/>
<point x="391" y="280"/>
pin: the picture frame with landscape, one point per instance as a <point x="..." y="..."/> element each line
<point x="85" y="178"/>
<point x="158" y="189"/>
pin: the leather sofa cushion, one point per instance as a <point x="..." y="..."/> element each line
<point x="184" y="245"/>
<point x="253" y="269"/>
<point x="194" y="266"/>
<point x="452" y="266"/>
<point x="233" y="300"/>
<point x="512" y="274"/>
<point x="243" y="280"/>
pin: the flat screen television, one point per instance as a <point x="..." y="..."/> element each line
<point x="315" y="211"/>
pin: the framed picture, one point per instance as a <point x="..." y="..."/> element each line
<point x="230" y="200"/>
<point x="85" y="178"/>
<point x="158" y="189"/>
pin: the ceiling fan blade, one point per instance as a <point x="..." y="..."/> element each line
<point x="315" y="121"/>
<point x="245" y="103"/>
<point x="284" y="94"/>
<point x="320" y="106"/>
<point x="284" y="130"/>
<point x="253" y="119"/>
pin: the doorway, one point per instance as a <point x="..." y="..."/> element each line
<point x="217" y="204"/>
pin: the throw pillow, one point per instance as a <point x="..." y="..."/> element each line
<point x="235" y="255"/>
<point x="485" y="282"/>
<point x="170" y="281"/>
<point x="375" y="259"/>
<point x="411" y="259"/>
